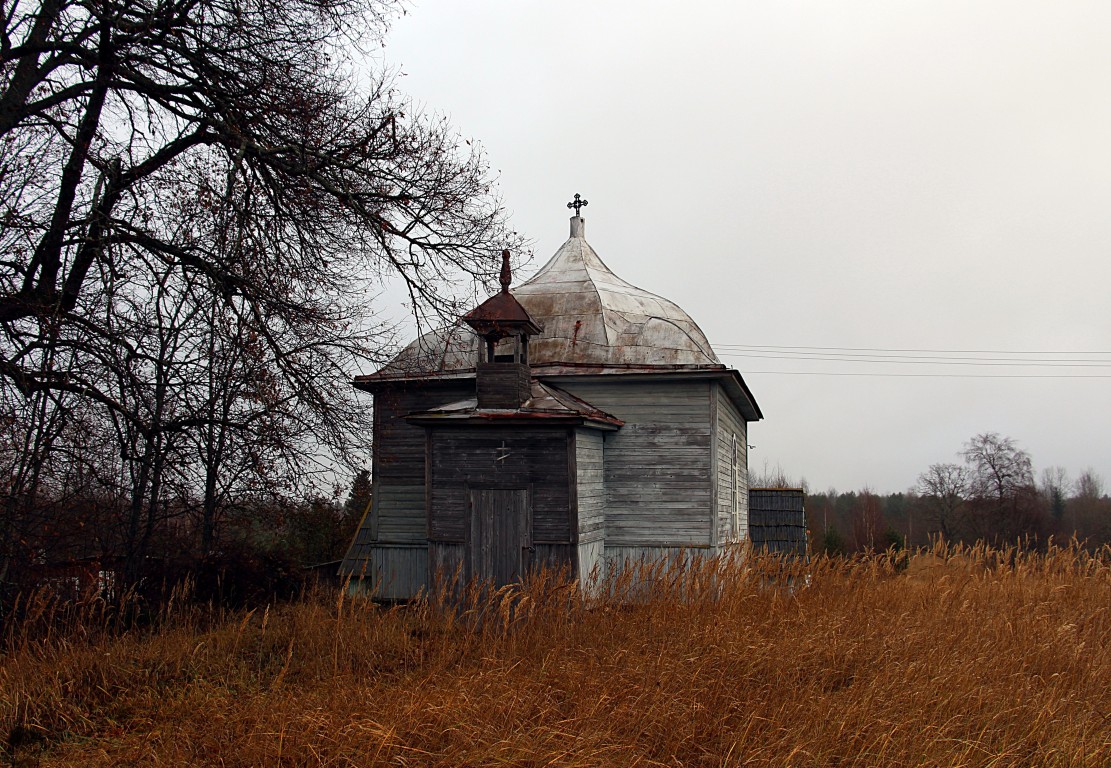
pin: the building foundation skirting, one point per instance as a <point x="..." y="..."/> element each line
<point x="391" y="571"/>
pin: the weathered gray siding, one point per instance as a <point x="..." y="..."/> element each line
<point x="618" y="558"/>
<point x="778" y="520"/>
<point x="659" y="484"/>
<point x="398" y="514"/>
<point x="445" y="563"/>
<point x="503" y="384"/>
<point x="729" y="424"/>
<point x="535" y="459"/>
<point x="446" y="560"/>
<point x="590" y="494"/>
<point x="657" y="466"/>
<point x="391" y="572"/>
<point x="556" y="557"/>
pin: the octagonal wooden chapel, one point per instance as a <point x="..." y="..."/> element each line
<point x="573" y="420"/>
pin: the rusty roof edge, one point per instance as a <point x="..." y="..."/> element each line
<point x="588" y="409"/>
<point x="494" y="416"/>
<point x="735" y="384"/>
<point x="543" y="369"/>
<point x="505" y="309"/>
<point x="610" y="369"/>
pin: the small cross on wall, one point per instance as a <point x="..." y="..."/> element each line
<point x="577" y="204"/>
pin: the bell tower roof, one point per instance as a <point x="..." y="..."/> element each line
<point x="501" y="315"/>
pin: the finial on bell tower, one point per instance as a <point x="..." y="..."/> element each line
<point x="502" y="380"/>
<point x="506" y="275"/>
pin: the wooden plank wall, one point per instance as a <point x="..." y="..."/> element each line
<point x="398" y="513"/>
<point x="503" y="385"/>
<point x="392" y="572"/>
<point x="654" y="492"/>
<point x="590" y="497"/>
<point x="557" y="557"/>
<point x="730" y="422"/>
<point x="445" y="563"/>
<point x="779" y="520"/>
<point x="446" y="560"/>
<point x="657" y="466"/>
<point x="537" y="459"/>
<point x="499" y="541"/>
<point x="592" y="564"/>
<point x="641" y="567"/>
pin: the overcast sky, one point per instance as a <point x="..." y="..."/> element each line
<point x="880" y="175"/>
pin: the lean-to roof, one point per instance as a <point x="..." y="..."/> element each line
<point x="546" y="404"/>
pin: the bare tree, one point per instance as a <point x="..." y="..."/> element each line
<point x="1089" y="510"/>
<point x="197" y="203"/>
<point x="1089" y="485"/>
<point x="867" y="521"/>
<point x="1055" y="488"/>
<point x="233" y="442"/>
<point x="999" y="467"/>
<point x="944" y="489"/>
<point x="991" y="497"/>
<point x="774" y="477"/>
<point x="109" y="108"/>
<point x="1006" y="502"/>
<point x="28" y="429"/>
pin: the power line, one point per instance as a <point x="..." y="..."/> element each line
<point x="793" y="354"/>
<point x="905" y="360"/>
<point x="773" y="347"/>
<point x="875" y="359"/>
<point x="936" y="375"/>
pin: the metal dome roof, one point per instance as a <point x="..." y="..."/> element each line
<point x="591" y="318"/>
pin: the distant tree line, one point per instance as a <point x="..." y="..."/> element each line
<point x="991" y="494"/>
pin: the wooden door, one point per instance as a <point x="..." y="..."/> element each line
<point x="499" y="540"/>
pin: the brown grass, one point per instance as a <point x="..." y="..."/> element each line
<point x="973" y="658"/>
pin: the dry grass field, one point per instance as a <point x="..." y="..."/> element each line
<point x="974" y="658"/>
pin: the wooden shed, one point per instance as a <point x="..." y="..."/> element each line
<point x="777" y="520"/>
<point x="574" y="420"/>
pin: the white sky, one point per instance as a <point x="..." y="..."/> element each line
<point x="885" y="174"/>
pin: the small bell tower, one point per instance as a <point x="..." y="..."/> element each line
<point x="503" y="380"/>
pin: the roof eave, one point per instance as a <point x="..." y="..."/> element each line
<point x="731" y="380"/>
<point x="376" y="381"/>
<point x="495" y="417"/>
<point x="743" y="397"/>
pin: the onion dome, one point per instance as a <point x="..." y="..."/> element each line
<point x="592" y="320"/>
<point x="592" y="317"/>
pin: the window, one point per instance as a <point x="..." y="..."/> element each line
<point x="735" y="490"/>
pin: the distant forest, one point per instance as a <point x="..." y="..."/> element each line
<point x="992" y="494"/>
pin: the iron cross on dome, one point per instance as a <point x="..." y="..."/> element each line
<point x="577" y="204"/>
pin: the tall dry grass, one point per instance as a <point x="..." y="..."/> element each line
<point x="949" y="658"/>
